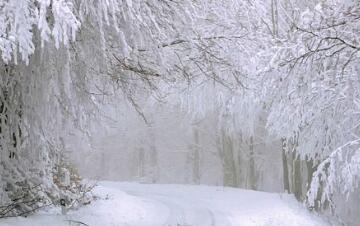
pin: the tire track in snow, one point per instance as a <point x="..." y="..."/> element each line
<point x="184" y="213"/>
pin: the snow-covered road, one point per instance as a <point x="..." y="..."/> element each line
<point x="133" y="204"/>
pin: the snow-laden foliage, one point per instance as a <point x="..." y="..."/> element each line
<point x="53" y="19"/>
<point x="318" y="91"/>
<point x="47" y="97"/>
<point x="339" y="171"/>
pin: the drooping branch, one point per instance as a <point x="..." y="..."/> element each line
<point x="191" y="40"/>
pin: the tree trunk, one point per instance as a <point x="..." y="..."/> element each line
<point x="285" y="167"/>
<point x="141" y="169"/>
<point x="230" y="174"/>
<point x="297" y="180"/>
<point x="154" y="166"/>
<point x="196" y="157"/>
<point x="274" y="17"/>
<point x="252" y="173"/>
<point x="310" y="170"/>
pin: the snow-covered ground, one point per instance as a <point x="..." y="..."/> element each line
<point x="134" y="204"/>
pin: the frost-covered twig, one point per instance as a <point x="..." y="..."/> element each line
<point x="28" y="201"/>
<point x="77" y="222"/>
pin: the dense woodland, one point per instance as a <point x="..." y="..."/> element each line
<point x="256" y="94"/>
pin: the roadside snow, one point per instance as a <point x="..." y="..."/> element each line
<point x="134" y="204"/>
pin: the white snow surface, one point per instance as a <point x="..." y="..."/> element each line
<point x="133" y="204"/>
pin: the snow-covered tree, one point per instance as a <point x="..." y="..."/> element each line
<point x="315" y="94"/>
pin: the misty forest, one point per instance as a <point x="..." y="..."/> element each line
<point x="180" y="112"/>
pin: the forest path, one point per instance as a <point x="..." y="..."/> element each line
<point x="132" y="204"/>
